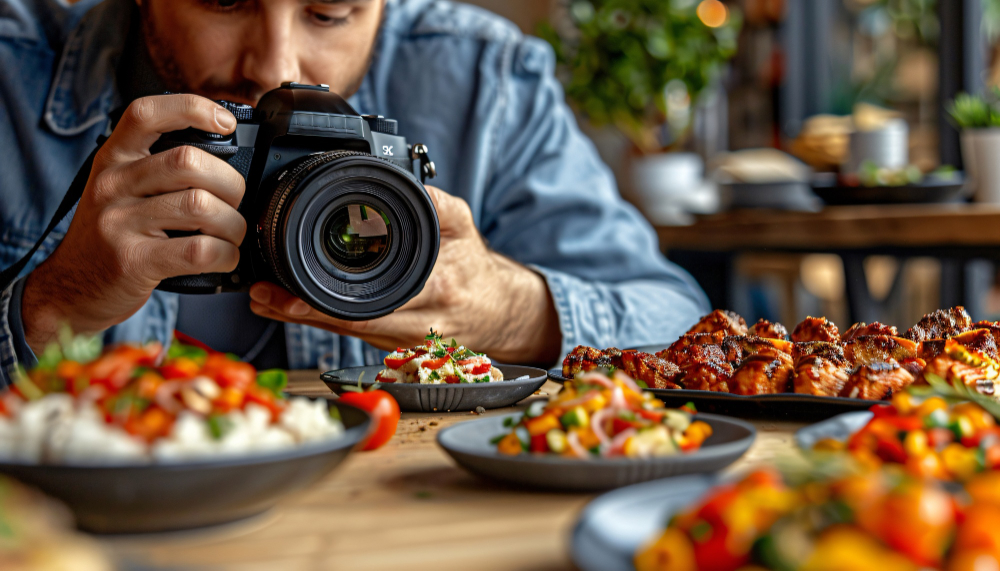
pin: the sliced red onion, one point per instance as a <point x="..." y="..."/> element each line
<point x="573" y="440"/>
<point x="165" y="397"/>
<point x="596" y="422"/>
<point x="627" y="381"/>
<point x="618" y="400"/>
<point x="618" y="442"/>
<point x="597" y="378"/>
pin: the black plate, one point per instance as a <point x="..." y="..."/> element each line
<point x="791" y="406"/>
<point x="931" y="189"/>
<point x="151" y="498"/>
<point x="469" y="444"/>
<point x="414" y="397"/>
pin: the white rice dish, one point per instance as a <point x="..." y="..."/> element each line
<point x="58" y="429"/>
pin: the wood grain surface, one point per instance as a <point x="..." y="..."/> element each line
<point x="841" y="227"/>
<point x="404" y="506"/>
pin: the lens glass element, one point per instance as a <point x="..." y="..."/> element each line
<point x="356" y="237"/>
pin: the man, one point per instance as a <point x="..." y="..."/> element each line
<point x="538" y="252"/>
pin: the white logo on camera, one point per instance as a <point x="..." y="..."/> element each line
<point x="387" y="150"/>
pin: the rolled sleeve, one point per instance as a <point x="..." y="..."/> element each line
<point x="14" y="349"/>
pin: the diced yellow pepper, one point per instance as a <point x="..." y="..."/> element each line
<point x="595" y="404"/>
<point x="915" y="443"/>
<point x="980" y="418"/>
<point x="510" y="445"/>
<point x="959" y="461"/>
<point x="904" y="403"/>
<point x="672" y="551"/>
<point x="698" y="432"/>
<point x="542" y="424"/>
<point x="587" y="437"/>
<point x="930" y="405"/>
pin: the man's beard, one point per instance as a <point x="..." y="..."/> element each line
<point x="168" y="69"/>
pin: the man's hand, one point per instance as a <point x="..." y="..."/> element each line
<point x="486" y="301"/>
<point x="116" y="250"/>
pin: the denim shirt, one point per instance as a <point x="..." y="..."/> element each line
<point x="467" y="83"/>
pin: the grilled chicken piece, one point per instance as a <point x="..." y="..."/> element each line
<point x="830" y="351"/>
<point x="930" y="348"/>
<point x="941" y="324"/>
<point x="762" y="374"/>
<point x="676" y="348"/>
<point x="957" y="363"/>
<point x="864" y="329"/>
<point x="877" y="381"/>
<point x="583" y="359"/>
<point x="878" y="349"/>
<point x="979" y="341"/>
<point x="719" y="320"/>
<point x="915" y="366"/>
<point x="992" y="326"/>
<point x="819" y="375"/>
<point x="657" y="373"/>
<point x="740" y="347"/>
<point x="703" y="367"/>
<point x="768" y="330"/>
<point x="816" y="329"/>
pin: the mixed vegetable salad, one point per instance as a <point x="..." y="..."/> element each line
<point x="599" y="416"/>
<point x="436" y="362"/>
<point x="929" y="436"/>
<point x="139" y="404"/>
<point x="878" y="520"/>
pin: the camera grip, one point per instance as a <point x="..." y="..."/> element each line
<point x="237" y="157"/>
<point x="201" y="283"/>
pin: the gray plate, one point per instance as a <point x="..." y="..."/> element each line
<point x="469" y="444"/>
<point x="414" y="397"/>
<point x="152" y="498"/>
<point x="612" y="527"/>
<point x="840" y="427"/>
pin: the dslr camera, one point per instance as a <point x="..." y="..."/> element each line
<point x="334" y="208"/>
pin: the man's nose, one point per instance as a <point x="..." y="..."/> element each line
<point x="272" y="56"/>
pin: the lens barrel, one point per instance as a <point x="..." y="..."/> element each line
<point x="351" y="234"/>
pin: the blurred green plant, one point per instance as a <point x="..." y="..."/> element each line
<point x="618" y="57"/>
<point x="975" y="111"/>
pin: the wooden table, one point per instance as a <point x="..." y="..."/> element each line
<point x="954" y="233"/>
<point x="404" y="506"/>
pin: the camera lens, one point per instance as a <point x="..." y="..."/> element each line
<point x="351" y="234"/>
<point x="356" y="237"/>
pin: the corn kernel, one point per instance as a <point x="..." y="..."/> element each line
<point x="915" y="443"/>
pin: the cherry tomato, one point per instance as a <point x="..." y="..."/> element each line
<point x="384" y="412"/>
<point x="229" y="373"/>
<point x="266" y="399"/>
<point x="435" y="363"/>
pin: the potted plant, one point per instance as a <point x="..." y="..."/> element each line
<point x="643" y="66"/>
<point x="979" y="120"/>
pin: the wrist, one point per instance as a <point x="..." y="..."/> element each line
<point x="531" y="332"/>
<point x="40" y="314"/>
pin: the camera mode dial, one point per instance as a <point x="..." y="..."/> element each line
<point x="380" y="124"/>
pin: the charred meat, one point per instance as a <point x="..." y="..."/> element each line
<point x="941" y="324"/>
<point x="657" y="373"/>
<point x="762" y="374"/>
<point x="865" y="329"/>
<point x="816" y="329"/>
<point x="819" y="375"/>
<point x="878" y="349"/>
<point x="718" y="320"/>
<point x="877" y="381"/>
<point x="768" y="330"/>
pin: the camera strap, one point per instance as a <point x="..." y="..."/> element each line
<point x="73" y="195"/>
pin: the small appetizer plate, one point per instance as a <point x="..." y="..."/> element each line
<point x="612" y="527"/>
<point x="790" y="406"/>
<point x="153" y="498"/>
<point x="469" y="444"/>
<point x="840" y="427"/>
<point x="519" y="383"/>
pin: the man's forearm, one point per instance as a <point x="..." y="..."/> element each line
<point x="531" y="333"/>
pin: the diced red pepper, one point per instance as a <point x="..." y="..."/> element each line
<point x="621" y="425"/>
<point x="883" y="410"/>
<point x="539" y="444"/>
<point x="265" y="398"/>
<point x="452" y="380"/>
<point x="397" y="362"/>
<point x="890" y="450"/>
<point x="653" y="415"/>
<point x="384" y="380"/>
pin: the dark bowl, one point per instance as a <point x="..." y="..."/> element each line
<point x="148" y="498"/>
<point x="414" y="397"/>
<point x="469" y="444"/>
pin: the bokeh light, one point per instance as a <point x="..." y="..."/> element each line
<point x="713" y="13"/>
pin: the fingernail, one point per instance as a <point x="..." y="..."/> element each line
<point x="225" y="119"/>
<point x="298" y="307"/>
<point x="260" y="294"/>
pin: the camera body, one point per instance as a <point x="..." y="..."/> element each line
<point x="334" y="207"/>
